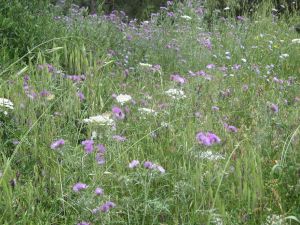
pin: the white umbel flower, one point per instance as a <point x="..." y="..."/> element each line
<point x="186" y="17"/>
<point x="123" y="98"/>
<point x="145" y="65"/>
<point x="103" y="119"/>
<point x="175" y="93"/>
<point x="147" y="111"/>
<point x="296" y="41"/>
<point x="209" y="155"/>
<point x="4" y="102"/>
<point x="284" y="56"/>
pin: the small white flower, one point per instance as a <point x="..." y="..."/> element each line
<point x="145" y="65"/>
<point x="284" y="56"/>
<point x="94" y="135"/>
<point x="4" y="102"/>
<point x="147" y="111"/>
<point x="164" y="124"/>
<point x="296" y="41"/>
<point x="227" y="8"/>
<point x="210" y="155"/>
<point x="244" y="60"/>
<point x="176" y="94"/>
<point x="123" y="98"/>
<point x="103" y="119"/>
<point x="186" y="17"/>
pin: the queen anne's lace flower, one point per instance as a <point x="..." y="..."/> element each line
<point x="123" y="98"/>
<point x="4" y="102"/>
<point x="175" y="93"/>
<point x="100" y="119"/>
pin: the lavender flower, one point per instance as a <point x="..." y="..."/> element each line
<point x="88" y="145"/>
<point x="57" y="144"/>
<point x="133" y="164"/>
<point x="79" y="186"/>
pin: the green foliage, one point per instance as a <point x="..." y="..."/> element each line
<point x="25" y="24"/>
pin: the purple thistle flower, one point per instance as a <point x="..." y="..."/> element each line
<point x="148" y="165"/>
<point x="133" y="164"/>
<point x="83" y="223"/>
<point x="236" y="67"/>
<point x="44" y="93"/>
<point x="80" y="96"/>
<point x="118" y="113"/>
<point x="160" y="168"/>
<point x="58" y="143"/>
<point x="211" y="66"/>
<point x="101" y="148"/>
<point x="100" y="158"/>
<point x="274" y="108"/>
<point x="107" y="206"/>
<point x="230" y="128"/>
<point x="208" y="138"/>
<point x="96" y="210"/>
<point x="79" y="186"/>
<point x="178" y="79"/>
<point x="88" y="145"/>
<point x="99" y="191"/>
<point x="240" y="18"/>
<point x="215" y="108"/>
<point x="119" y="138"/>
<point x="245" y="87"/>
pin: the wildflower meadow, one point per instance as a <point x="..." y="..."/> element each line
<point x="176" y="119"/>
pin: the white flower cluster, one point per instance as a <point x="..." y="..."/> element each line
<point x="103" y="119"/>
<point x="210" y="156"/>
<point x="4" y="102"/>
<point x="176" y="94"/>
<point x="123" y="98"/>
<point x="147" y="111"/>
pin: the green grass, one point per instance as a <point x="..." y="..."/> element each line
<point x="258" y="177"/>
